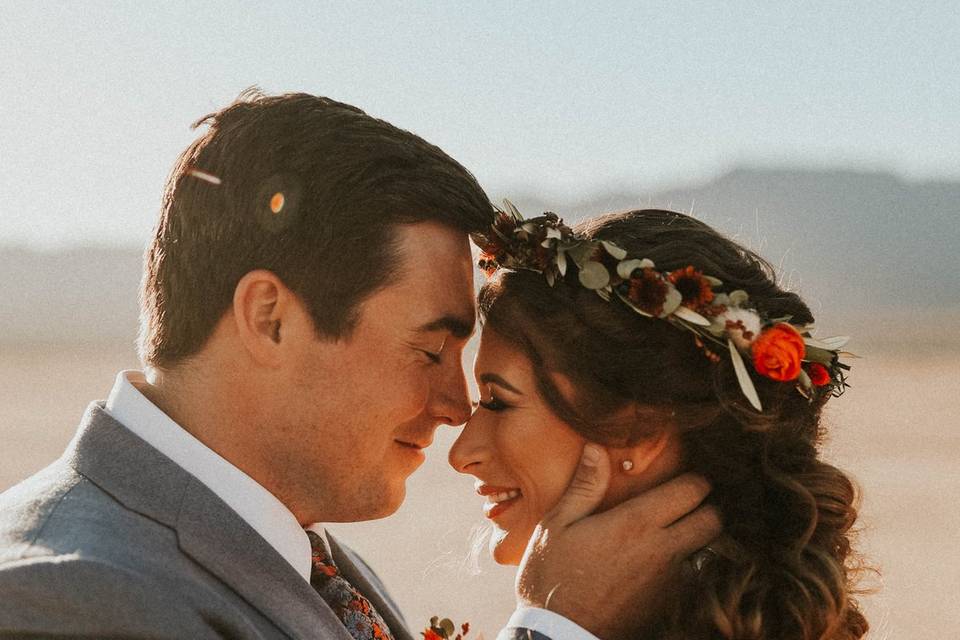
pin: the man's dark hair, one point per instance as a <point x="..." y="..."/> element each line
<point x="345" y="181"/>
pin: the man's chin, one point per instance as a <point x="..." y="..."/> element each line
<point x="374" y="503"/>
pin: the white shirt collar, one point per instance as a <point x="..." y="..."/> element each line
<point x="252" y="502"/>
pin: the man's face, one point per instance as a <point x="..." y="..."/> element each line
<point x="360" y="411"/>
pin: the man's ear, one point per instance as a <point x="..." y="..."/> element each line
<point x="261" y="305"/>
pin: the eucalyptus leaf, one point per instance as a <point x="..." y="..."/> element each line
<point x="562" y="262"/>
<point x="550" y="277"/>
<point x="738" y="297"/>
<point x="447" y="625"/>
<point x="626" y="267"/>
<point x="553" y="232"/>
<point x="746" y="384"/>
<point x="581" y="252"/>
<point x="529" y="227"/>
<point x="835" y="342"/>
<point x="804" y="380"/>
<point x="630" y="304"/>
<point x="594" y="275"/>
<point x="714" y="282"/>
<point x="672" y="301"/>
<point x="614" y="250"/>
<point x="816" y="354"/>
<point x="813" y="342"/>
<point x="691" y="316"/>
<point x="512" y="210"/>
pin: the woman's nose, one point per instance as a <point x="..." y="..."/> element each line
<point x="470" y="449"/>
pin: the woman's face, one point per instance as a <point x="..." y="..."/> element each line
<point x="522" y="455"/>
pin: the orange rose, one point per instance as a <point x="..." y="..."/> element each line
<point x="430" y="634"/>
<point x="777" y="352"/>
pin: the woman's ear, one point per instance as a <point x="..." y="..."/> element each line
<point x="636" y="459"/>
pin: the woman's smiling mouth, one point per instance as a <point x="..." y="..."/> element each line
<point x="499" y="499"/>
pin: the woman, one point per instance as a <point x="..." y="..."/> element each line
<point x="672" y="346"/>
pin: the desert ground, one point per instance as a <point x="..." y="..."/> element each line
<point x="896" y="431"/>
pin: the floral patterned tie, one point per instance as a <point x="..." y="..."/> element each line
<point x="355" y="612"/>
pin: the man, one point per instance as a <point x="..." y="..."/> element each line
<point x="306" y="298"/>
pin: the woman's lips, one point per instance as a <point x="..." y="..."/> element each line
<point x="492" y="509"/>
<point x="499" y="499"/>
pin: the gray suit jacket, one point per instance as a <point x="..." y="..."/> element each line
<point x="116" y="540"/>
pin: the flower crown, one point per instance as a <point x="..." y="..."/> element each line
<point x="721" y="322"/>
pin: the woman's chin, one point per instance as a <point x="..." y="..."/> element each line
<point x="505" y="547"/>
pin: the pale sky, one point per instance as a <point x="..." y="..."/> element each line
<point x="564" y="99"/>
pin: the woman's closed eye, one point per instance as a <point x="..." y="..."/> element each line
<point x="493" y="404"/>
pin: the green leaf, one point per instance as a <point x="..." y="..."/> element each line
<point x="512" y="210"/>
<point x="691" y="316"/>
<point x="614" y="250"/>
<point x="672" y="301"/>
<point x="743" y="377"/>
<point x="594" y="275"/>
<point x="835" y="342"/>
<point x="816" y="354"/>
<point x="581" y="252"/>
<point x="626" y="267"/>
<point x="627" y="301"/>
<point x="448" y="627"/>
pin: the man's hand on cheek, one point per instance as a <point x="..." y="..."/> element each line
<point x="610" y="572"/>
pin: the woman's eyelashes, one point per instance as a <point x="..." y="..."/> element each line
<point x="493" y="404"/>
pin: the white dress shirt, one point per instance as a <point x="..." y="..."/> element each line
<point x="257" y="506"/>
<point x="252" y="502"/>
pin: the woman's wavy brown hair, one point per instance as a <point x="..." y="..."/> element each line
<point x="784" y="568"/>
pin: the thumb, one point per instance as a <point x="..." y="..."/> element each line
<point x="586" y="490"/>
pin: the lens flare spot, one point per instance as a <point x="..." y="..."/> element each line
<point x="276" y="202"/>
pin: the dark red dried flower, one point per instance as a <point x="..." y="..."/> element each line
<point x="648" y="292"/>
<point x="693" y="287"/>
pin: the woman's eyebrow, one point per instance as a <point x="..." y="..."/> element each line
<point x="488" y="378"/>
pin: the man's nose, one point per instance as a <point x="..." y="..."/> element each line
<point x="452" y="403"/>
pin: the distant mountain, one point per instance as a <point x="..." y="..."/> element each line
<point x="846" y="240"/>
<point x="850" y="242"/>
<point x="79" y="295"/>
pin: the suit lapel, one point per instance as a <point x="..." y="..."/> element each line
<point x="209" y="531"/>
<point x="216" y="537"/>
<point x="360" y="576"/>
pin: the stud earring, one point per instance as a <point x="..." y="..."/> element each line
<point x="627" y="465"/>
